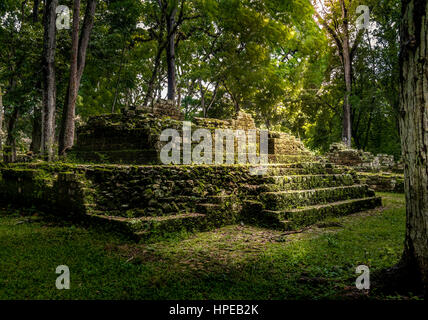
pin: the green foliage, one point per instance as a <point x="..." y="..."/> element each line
<point x="268" y="57"/>
<point x="316" y="115"/>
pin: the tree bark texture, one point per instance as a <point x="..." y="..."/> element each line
<point x="66" y="136"/>
<point x="347" y="66"/>
<point x="170" y="53"/>
<point x="414" y="133"/>
<point x="77" y="66"/>
<point x="49" y="85"/>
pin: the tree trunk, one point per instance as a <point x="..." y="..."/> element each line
<point x="414" y="133"/>
<point x="49" y="85"/>
<point x="212" y="100"/>
<point x="35" y="11"/>
<point x="346" y="54"/>
<point x="347" y="65"/>
<point x="1" y="119"/>
<point x="36" y="135"/>
<point x="122" y="58"/>
<point x="66" y="136"/>
<point x="201" y="89"/>
<point x="170" y="53"/>
<point x="152" y="81"/>
<point x="369" y="123"/>
<point x="179" y="97"/>
<point x="88" y="24"/>
<point x="9" y="154"/>
<point x="77" y="65"/>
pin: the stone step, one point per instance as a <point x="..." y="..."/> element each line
<point x="160" y="206"/>
<point x="144" y="227"/>
<point x="289" y="158"/>
<point x="166" y="209"/>
<point x="293" y="219"/>
<point x="302" y="164"/>
<point x="297" y="169"/>
<point x="219" y="199"/>
<point x="297" y="198"/>
<point x="301" y="182"/>
<point x="311" y="182"/>
<point x="312" y="178"/>
<point x="209" y="208"/>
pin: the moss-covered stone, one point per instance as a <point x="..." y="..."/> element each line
<point x="292" y="199"/>
<point x="158" y="199"/>
<point x="134" y="138"/>
<point x="119" y="183"/>
<point x="383" y="182"/>
<point x="292" y="219"/>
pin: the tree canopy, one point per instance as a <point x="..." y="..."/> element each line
<point x="281" y="61"/>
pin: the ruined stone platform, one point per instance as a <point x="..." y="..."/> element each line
<point x="132" y="137"/>
<point x="380" y="172"/>
<point x="121" y="185"/>
<point x="147" y="201"/>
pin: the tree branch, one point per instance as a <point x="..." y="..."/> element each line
<point x="356" y="43"/>
<point x="331" y="32"/>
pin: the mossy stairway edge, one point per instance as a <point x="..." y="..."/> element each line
<point x="147" y="200"/>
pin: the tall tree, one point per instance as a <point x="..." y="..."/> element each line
<point x="77" y="64"/>
<point x="173" y="14"/>
<point x="66" y="136"/>
<point x="49" y="83"/>
<point x="414" y="133"/>
<point x="336" y="20"/>
<point x="347" y="66"/>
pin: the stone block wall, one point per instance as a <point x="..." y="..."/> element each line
<point x="380" y="172"/>
<point x="162" y="108"/>
<point x="383" y="182"/>
<point x="53" y="192"/>
<point x="74" y="191"/>
<point x="241" y="121"/>
<point x="363" y="161"/>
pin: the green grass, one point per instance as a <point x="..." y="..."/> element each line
<point x="234" y="262"/>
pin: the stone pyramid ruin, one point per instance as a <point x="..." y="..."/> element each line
<point x="121" y="185"/>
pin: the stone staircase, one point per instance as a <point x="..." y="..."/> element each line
<point x="297" y="195"/>
<point x="288" y="197"/>
<point x="151" y="201"/>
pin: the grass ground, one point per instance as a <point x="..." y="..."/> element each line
<point x="234" y="262"/>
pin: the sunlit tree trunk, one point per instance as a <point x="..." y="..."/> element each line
<point x="49" y="84"/>
<point x="66" y="136"/>
<point x="347" y="66"/>
<point x="340" y="35"/>
<point x="202" y="92"/>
